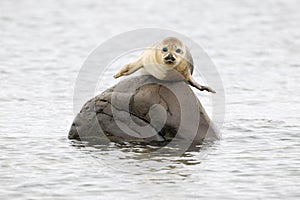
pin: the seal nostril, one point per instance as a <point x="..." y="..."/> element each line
<point x="170" y="57"/>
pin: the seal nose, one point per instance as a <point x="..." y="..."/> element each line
<point x="170" y="57"/>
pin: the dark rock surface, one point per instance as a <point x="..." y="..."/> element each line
<point x="145" y="110"/>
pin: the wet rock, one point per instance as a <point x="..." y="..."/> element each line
<point x="144" y="110"/>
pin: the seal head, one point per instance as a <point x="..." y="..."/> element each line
<point x="172" y="51"/>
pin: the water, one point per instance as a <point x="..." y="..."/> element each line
<point x="255" y="46"/>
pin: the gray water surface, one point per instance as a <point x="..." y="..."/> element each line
<point x="255" y="46"/>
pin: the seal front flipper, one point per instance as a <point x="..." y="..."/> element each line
<point x="128" y="69"/>
<point x="193" y="83"/>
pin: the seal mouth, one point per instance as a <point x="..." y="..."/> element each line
<point x="169" y="59"/>
<point x="169" y="62"/>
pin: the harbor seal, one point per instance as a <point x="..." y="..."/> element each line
<point x="168" y="60"/>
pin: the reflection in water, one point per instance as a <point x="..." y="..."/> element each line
<point x="141" y="155"/>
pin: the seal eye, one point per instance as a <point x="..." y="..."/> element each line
<point x="165" y="49"/>
<point x="178" y="51"/>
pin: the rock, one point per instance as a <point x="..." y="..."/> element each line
<point x="143" y="110"/>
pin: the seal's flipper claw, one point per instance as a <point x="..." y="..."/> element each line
<point x="127" y="70"/>
<point x="193" y="83"/>
<point x="117" y="75"/>
<point x="208" y="89"/>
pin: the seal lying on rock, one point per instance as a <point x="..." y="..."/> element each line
<point x="122" y="111"/>
<point x="167" y="60"/>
